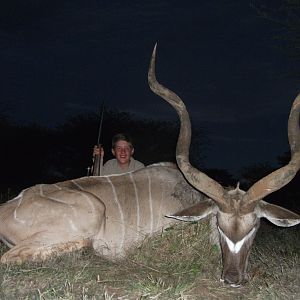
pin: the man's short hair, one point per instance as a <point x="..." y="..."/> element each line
<point x="121" y="137"/>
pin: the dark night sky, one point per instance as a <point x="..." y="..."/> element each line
<point x="62" y="58"/>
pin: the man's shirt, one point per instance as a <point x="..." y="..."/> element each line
<point x="112" y="167"/>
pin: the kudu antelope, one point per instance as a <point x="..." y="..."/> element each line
<point x="109" y="213"/>
<point x="237" y="212"/>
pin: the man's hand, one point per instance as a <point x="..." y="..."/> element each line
<point x="98" y="150"/>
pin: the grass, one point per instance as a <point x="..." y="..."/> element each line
<point x="176" y="264"/>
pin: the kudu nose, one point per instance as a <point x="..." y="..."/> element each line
<point x="233" y="278"/>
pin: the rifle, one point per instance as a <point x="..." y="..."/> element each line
<point x="96" y="169"/>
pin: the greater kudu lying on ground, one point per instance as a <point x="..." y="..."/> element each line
<point x="110" y="213"/>
<point x="237" y="212"/>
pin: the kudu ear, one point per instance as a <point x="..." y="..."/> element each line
<point x="277" y="215"/>
<point x="196" y="212"/>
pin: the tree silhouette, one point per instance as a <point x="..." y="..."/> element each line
<point x="33" y="154"/>
<point x="251" y="174"/>
<point x="288" y="196"/>
<point x="22" y="156"/>
<point x="154" y="140"/>
<point x="221" y="176"/>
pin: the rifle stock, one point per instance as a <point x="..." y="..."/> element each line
<point x="97" y="164"/>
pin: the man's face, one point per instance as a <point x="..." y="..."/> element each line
<point x="123" y="152"/>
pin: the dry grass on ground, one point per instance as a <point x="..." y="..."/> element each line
<point x="177" y="264"/>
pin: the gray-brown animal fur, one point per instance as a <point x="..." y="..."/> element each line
<point x="109" y="213"/>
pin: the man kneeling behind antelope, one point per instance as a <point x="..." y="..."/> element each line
<point x="113" y="213"/>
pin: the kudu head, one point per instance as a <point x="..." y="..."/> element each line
<point x="237" y="212"/>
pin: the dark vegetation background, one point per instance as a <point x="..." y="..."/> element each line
<point x="33" y="154"/>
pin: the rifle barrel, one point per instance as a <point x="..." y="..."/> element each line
<point x="98" y="159"/>
<point x="100" y="123"/>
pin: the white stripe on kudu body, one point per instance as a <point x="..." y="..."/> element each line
<point x="20" y="198"/>
<point x="84" y="194"/>
<point x="150" y="203"/>
<point x="122" y="223"/>
<point x="137" y="205"/>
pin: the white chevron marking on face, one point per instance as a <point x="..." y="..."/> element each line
<point x="236" y="247"/>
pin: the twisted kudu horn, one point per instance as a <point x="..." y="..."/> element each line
<point x="279" y="178"/>
<point x="196" y="178"/>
